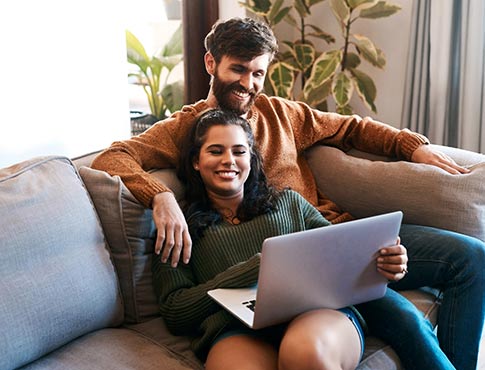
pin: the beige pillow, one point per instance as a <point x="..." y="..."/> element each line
<point x="130" y="233"/>
<point x="426" y="194"/>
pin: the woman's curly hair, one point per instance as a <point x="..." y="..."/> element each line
<point x="259" y="197"/>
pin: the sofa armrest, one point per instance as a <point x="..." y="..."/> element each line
<point x="365" y="185"/>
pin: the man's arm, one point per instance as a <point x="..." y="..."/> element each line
<point x="156" y="148"/>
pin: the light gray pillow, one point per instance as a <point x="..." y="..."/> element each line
<point x="57" y="281"/>
<point x="426" y="194"/>
<point x="131" y="233"/>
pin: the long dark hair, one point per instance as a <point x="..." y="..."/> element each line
<point x="258" y="195"/>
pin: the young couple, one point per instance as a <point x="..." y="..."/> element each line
<point x="239" y="52"/>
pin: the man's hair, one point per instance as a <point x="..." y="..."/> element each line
<point x="243" y="38"/>
<point x="259" y="196"/>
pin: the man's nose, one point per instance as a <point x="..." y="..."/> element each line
<point x="247" y="81"/>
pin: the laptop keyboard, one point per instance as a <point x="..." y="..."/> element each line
<point x="250" y="304"/>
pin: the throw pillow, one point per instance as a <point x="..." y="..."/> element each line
<point x="426" y="194"/>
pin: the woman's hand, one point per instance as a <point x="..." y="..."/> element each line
<point x="392" y="261"/>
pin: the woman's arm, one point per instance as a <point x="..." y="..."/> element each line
<point x="184" y="304"/>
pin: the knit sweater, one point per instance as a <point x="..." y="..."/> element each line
<point x="226" y="256"/>
<point x="283" y="130"/>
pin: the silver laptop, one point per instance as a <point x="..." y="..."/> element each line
<point x="328" y="267"/>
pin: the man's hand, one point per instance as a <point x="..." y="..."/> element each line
<point x="392" y="261"/>
<point x="172" y="231"/>
<point x="428" y="155"/>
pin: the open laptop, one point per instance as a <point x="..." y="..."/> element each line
<point x="328" y="267"/>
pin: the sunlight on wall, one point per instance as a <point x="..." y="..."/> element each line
<point x="63" y="89"/>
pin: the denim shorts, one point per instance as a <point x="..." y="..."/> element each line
<point x="274" y="334"/>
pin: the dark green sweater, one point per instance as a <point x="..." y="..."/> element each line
<point x="227" y="256"/>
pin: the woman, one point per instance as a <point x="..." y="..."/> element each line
<point x="230" y="210"/>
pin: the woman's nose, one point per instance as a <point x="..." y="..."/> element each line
<point x="228" y="159"/>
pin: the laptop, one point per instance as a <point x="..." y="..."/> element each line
<point x="327" y="267"/>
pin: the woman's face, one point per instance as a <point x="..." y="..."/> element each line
<point x="224" y="161"/>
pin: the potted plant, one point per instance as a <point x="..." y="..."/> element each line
<point x="152" y="75"/>
<point x="325" y="74"/>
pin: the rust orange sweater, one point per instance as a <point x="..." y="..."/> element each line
<point x="283" y="129"/>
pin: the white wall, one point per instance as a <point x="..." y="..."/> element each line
<point x="63" y="88"/>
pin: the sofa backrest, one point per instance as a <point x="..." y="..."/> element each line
<point x="130" y="232"/>
<point x="57" y="281"/>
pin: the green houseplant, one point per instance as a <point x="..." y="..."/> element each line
<point x="154" y="71"/>
<point x="302" y="71"/>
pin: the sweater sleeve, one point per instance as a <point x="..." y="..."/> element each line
<point x="311" y="126"/>
<point x="156" y="148"/>
<point x="184" y="304"/>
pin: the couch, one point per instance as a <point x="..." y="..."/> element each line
<point x="76" y="249"/>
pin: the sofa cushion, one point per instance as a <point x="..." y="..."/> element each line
<point x="427" y="195"/>
<point x="57" y="281"/>
<point x="130" y="233"/>
<point x="120" y="349"/>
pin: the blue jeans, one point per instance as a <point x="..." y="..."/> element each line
<point x="454" y="263"/>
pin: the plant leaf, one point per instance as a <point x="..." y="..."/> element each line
<point x="324" y="67"/>
<point x="173" y="96"/>
<point x="175" y="45"/>
<point x="313" y="2"/>
<point x="274" y="9"/>
<point x="366" y="48"/>
<point x="365" y="88"/>
<point x="292" y="21"/>
<point x="352" y="60"/>
<point x="304" y="55"/>
<point x="345" y="110"/>
<point x="342" y="89"/>
<point x="341" y="10"/>
<point x="260" y="7"/>
<point x="282" y="79"/>
<point x="319" y="33"/>
<point x="313" y="96"/>
<point x="135" y="52"/>
<point x="354" y="4"/>
<point x="380" y="10"/>
<point x="302" y="8"/>
<point x="280" y="16"/>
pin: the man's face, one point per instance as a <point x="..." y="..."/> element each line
<point x="236" y="83"/>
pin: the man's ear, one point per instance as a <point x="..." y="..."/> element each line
<point x="210" y="63"/>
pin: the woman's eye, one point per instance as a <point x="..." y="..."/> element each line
<point x="240" y="152"/>
<point x="215" y="152"/>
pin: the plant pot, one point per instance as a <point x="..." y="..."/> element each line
<point x="141" y="121"/>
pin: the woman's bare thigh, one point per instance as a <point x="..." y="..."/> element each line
<point x="242" y="352"/>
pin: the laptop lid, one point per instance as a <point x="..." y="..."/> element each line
<point x="328" y="267"/>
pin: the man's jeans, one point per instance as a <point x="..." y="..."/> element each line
<point x="454" y="263"/>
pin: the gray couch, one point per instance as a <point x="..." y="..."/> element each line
<point x="76" y="246"/>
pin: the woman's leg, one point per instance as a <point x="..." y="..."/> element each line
<point x="242" y="352"/>
<point x="454" y="263"/>
<point x="320" y="339"/>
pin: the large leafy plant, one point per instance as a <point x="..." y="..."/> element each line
<point x="154" y="71"/>
<point x="302" y="71"/>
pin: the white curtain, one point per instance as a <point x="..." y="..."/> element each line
<point x="445" y="93"/>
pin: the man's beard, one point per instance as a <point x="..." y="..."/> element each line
<point x="223" y="93"/>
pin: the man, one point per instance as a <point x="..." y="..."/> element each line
<point x="239" y="52"/>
